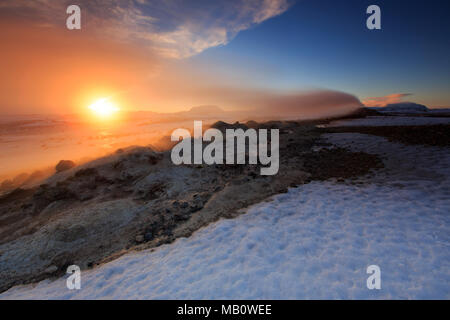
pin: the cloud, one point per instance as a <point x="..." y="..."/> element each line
<point x="173" y="28"/>
<point x="253" y="102"/>
<point x="298" y="105"/>
<point x="308" y="104"/>
<point x="385" y="100"/>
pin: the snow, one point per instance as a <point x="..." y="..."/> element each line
<point x="314" y="242"/>
<point x="389" y="121"/>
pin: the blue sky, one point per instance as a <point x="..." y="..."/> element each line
<point x="326" y="44"/>
<point x="181" y="53"/>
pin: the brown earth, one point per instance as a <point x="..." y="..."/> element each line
<point x="432" y="135"/>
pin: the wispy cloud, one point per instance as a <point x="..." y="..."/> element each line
<point x="174" y="28"/>
<point x="385" y="100"/>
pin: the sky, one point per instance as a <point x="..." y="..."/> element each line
<point x="170" y="55"/>
<point x="326" y="44"/>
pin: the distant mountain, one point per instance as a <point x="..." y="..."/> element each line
<point x="206" y="110"/>
<point x="402" y="107"/>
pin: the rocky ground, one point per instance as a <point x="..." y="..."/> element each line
<point x="137" y="199"/>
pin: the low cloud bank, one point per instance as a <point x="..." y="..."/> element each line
<point x="306" y="105"/>
<point x="258" y="104"/>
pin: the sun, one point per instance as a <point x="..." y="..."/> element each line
<point x="103" y="108"/>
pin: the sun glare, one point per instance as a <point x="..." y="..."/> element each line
<point x="103" y="108"/>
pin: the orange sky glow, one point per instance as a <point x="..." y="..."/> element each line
<point x="48" y="70"/>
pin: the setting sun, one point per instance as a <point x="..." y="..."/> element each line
<point x="103" y="108"/>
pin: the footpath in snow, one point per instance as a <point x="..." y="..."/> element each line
<point x="314" y="242"/>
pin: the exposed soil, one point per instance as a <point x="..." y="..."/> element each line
<point x="432" y="135"/>
<point x="340" y="163"/>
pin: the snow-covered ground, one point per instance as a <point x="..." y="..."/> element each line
<point x="390" y="121"/>
<point x="314" y="242"/>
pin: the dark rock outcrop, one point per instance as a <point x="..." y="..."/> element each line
<point x="64" y="165"/>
